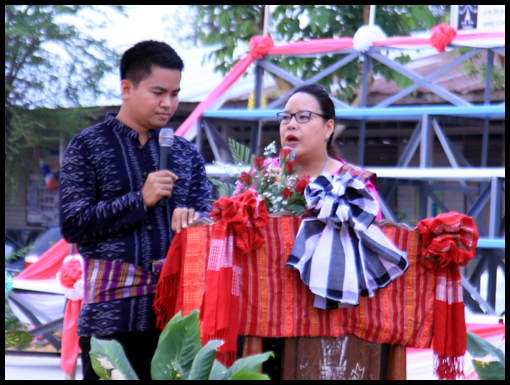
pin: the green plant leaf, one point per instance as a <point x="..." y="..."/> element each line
<point x="10" y="319"/>
<point x="240" y="153"/>
<point x="203" y="362"/>
<point x="493" y="370"/>
<point x="177" y="348"/>
<point x="478" y="347"/>
<point x="246" y="375"/>
<point x="16" y="338"/>
<point x="109" y="360"/>
<point x="250" y="364"/>
<point x="218" y="371"/>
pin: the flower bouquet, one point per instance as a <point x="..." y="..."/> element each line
<point x="277" y="184"/>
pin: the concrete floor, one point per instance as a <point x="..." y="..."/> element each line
<point x="36" y="368"/>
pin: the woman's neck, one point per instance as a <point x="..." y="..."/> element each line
<point x="312" y="167"/>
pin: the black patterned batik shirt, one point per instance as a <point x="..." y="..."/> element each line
<point x="101" y="210"/>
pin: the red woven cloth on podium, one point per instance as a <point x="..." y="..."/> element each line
<point x="274" y="302"/>
<point x="450" y="242"/>
<point x="237" y="231"/>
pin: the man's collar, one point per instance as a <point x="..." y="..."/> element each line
<point x="124" y="129"/>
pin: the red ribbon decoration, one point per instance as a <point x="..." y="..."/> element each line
<point x="237" y="231"/>
<point x="247" y="215"/>
<point x="450" y="240"/>
<point x="441" y="36"/>
<point x="259" y="45"/>
<point x="70" y="273"/>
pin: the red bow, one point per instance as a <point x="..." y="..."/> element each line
<point x="441" y="36"/>
<point x="450" y="240"/>
<point x="237" y="231"/>
<point x="247" y="214"/>
<point x="259" y="45"/>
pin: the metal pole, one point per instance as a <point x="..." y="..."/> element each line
<point x="198" y="139"/>
<point x="426" y="143"/>
<point x="495" y="208"/>
<point x="425" y="162"/>
<point x="366" y="69"/>
<point x="259" y="73"/>
<point x="487" y="101"/>
<point x="371" y="19"/>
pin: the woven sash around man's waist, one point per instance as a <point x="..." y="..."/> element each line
<point x="111" y="280"/>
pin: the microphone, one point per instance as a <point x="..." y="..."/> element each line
<point x="292" y="153"/>
<point x="166" y="139"/>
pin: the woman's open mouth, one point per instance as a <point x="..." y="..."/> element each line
<point x="291" y="140"/>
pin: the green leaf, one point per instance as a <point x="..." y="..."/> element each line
<point x="246" y="375"/>
<point x="240" y="153"/>
<point x="10" y="319"/>
<point x="202" y="365"/>
<point x="251" y="364"/>
<point x="16" y="338"/>
<point x="218" y="371"/>
<point x="224" y="188"/>
<point x="177" y="348"/>
<point x="109" y="360"/>
<point x="493" y="370"/>
<point x="478" y="347"/>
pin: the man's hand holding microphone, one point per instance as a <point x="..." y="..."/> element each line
<point x="159" y="185"/>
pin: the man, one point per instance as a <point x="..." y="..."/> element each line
<point x="109" y="188"/>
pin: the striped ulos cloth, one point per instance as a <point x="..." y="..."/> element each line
<point x="340" y="255"/>
<point x="275" y="303"/>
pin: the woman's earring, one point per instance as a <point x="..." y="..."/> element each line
<point x="327" y="138"/>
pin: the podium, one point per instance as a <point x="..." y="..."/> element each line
<point x="334" y="358"/>
<point x="365" y="342"/>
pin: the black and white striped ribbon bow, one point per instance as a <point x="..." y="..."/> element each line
<point x="340" y="254"/>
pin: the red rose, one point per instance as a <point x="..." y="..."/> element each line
<point x="301" y="184"/>
<point x="284" y="153"/>
<point x="245" y="178"/>
<point x="258" y="162"/>
<point x="287" y="194"/>
<point x="289" y="167"/>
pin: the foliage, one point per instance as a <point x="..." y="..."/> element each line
<point x="474" y="67"/>
<point x="13" y="335"/>
<point x="228" y="26"/>
<point x="179" y="356"/>
<point x="478" y="347"/>
<point x="281" y="189"/>
<point x="49" y="64"/>
<point x="18" y="253"/>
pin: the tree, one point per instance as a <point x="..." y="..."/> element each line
<point x="49" y="64"/>
<point x="233" y="25"/>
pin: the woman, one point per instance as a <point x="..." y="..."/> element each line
<point x="307" y="125"/>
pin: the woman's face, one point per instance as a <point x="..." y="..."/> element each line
<point x="307" y="139"/>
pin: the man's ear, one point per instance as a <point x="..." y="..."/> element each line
<point x="126" y="88"/>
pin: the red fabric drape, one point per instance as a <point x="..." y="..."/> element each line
<point x="70" y="347"/>
<point x="450" y="240"/>
<point x="48" y="264"/>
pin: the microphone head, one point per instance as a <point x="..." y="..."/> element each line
<point x="292" y="153"/>
<point x="166" y="137"/>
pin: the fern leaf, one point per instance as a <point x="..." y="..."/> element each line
<point x="240" y="153"/>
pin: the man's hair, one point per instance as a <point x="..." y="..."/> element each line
<point x="136" y="62"/>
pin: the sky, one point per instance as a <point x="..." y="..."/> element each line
<point x="144" y="22"/>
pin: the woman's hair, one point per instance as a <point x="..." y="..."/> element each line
<point x="326" y="105"/>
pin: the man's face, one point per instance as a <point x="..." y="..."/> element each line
<point x="153" y="102"/>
